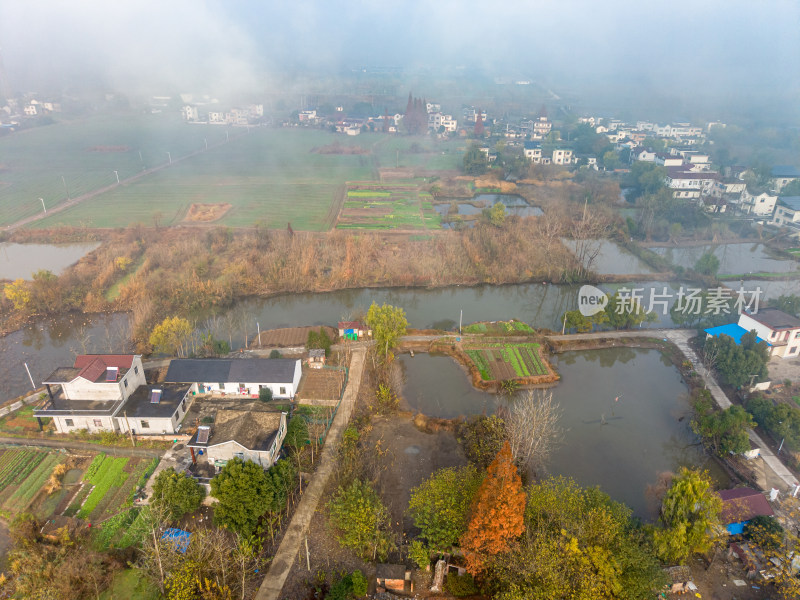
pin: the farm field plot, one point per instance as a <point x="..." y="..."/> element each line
<point x="23" y="472"/>
<point x="289" y="336"/>
<point x="387" y="207"/>
<point x="76" y="157"/>
<point x="321" y="384"/>
<point x="499" y="327"/>
<point x="500" y="362"/>
<point x="268" y="176"/>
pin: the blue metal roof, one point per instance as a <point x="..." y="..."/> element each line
<point x="733" y="330"/>
<point x="178" y="537"/>
<point x="785" y="171"/>
<point x="532" y="145"/>
<point x="792" y="202"/>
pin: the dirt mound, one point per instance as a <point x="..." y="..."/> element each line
<point x="206" y="213"/>
<point x="108" y="149"/>
<point x="337" y="148"/>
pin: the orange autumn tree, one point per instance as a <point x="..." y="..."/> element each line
<point x="498" y="512"/>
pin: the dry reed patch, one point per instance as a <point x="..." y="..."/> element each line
<point x="206" y="213"/>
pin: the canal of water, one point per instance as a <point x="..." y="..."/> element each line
<point x="21" y="261"/>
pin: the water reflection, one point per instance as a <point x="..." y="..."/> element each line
<point x="733" y="258"/>
<point x="20" y="261"/>
<point x="625" y="415"/>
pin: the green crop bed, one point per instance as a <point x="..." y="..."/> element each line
<point x="104" y="475"/>
<point x="16" y="465"/>
<point x="522" y="359"/>
<point x="22" y="497"/>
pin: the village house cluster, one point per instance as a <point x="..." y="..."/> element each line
<point x="16" y="110"/>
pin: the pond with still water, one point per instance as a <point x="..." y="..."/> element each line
<point x="21" y="261"/>
<point x="734" y="259"/>
<point x="625" y="413"/>
<point x="515" y="205"/>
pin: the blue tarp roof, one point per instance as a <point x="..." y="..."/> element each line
<point x="733" y="330"/>
<point x="179" y="537"/>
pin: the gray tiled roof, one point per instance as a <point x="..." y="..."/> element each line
<point x="225" y="370"/>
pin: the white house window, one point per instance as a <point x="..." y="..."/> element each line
<point x="238" y="455"/>
<point x="98" y="422"/>
<point x="69" y="422"/>
<point x="283" y="391"/>
<point x="145" y="424"/>
<point x="125" y="381"/>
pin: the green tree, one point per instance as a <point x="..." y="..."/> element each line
<point x="497" y="214"/>
<point x="646" y="178"/>
<point x="624" y="311"/>
<point x="19" y="293"/>
<point x="361" y="521"/>
<point x="171" y="336"/>
<point x="579" y="544"/>
<point x="791" y="189"/>
<point x="440" y="505"/>
<point x="789" y="303"/>
<point x="708" y="264"/>
<point x="738" y="364"/>
<point x="388" y="324"/>
<point x="481" y="437"/>
<point x="610" y="160"/>
<point x="724" y="431"/>
<point x="575" y="320"/>
<point x="244" y="493"/>
<point x="177" y="493"/>
<point x="475" y="161"/>
<point x="689" y="515"/>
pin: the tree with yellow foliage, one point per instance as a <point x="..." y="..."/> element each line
<point x="498" y="514"/>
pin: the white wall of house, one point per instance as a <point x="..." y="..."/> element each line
<point x="784" y="214"/>
<point x="93" y="424"/>
<point x="82" y="389"/>
<point x="790" y="337"/>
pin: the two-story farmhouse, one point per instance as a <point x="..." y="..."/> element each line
<point x="780" y="330"/>
<point x="108" y="392"/>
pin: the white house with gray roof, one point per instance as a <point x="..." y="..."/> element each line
<point x="237" y="377"/>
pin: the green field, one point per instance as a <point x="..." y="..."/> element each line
<point x="387" y="207"/>
<point x="268" y="176"/>
<point x="499" y="328"/>
<point x="86" y="153"/>
<point x="22" y="474"/>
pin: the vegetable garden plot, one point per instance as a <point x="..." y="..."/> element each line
<point x="500" y="362"/>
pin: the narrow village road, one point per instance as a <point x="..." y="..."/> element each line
<point x="290" y="545"/>
<point x="76" y="445"/>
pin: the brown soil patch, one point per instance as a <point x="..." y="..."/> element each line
<point x="22" y="423"/>
<point x="206" y="213"/>
<point x="108" y="149"/>
<point x="337" y="148"/>
<point x="289" y="336"/>
<point x="321" y="384"/>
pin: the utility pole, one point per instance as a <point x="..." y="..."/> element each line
<point x="460" y="318"/>
<point x="206" y="141"/>
<point x="117" y="174"/>
<point x="44" y="208"/>
<point x="170" y="157"/>
<point x="65" y="186"/>
<point x="33" y="385"/>
<point x="259" y="333"/>
<point x="564" y="325"/>
<point x="128" y="425"/>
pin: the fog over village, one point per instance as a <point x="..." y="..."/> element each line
<point x="342" y="300"/>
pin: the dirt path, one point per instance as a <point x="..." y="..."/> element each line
<point x="290" y="545"/>
<point x="75" y="445"/>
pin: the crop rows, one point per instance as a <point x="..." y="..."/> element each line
<point x="20" y="499"/>
<point x="480" y="361"/>
<point x="109" y="474"/>
<point x="18" y="465"/>
<point x="523" y="359"/>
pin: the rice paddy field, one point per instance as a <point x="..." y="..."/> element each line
<point x="267" y="176"/>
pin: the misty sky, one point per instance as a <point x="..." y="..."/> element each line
<point x="151" y="45"/>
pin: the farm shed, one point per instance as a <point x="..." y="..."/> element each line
<point x="392" y="577"/>
<point x="239" y="377"/>
<point x="353" y="330"/>
<point x="249" y="435"/>
<point x="316" y="358"/>
<point x="155" y="409"/>
<point x="739" y="506"/>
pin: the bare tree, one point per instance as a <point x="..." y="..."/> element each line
<point x="709" y="357"/>
<point x="533" y="431"/>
